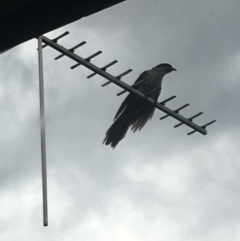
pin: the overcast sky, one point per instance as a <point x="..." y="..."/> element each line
<point x="158" y="184"/>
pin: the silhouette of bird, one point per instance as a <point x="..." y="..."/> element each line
<point x="135" y="111"/>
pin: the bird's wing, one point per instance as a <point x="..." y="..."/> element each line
<point x="144" y="113"/>
<point x="130" y="97"/>
<point x="122" y="107"/>
<point x="142" y="76"/>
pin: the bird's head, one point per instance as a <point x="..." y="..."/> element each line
<point x="165" y="68"/>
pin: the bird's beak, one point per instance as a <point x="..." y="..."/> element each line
<point x="173" y="69"/>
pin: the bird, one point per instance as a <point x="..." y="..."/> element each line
<point x="135" y="111"/>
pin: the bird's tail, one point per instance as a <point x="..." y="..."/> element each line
<point x="119" y="128"/>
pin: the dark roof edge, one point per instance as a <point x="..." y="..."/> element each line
<point x="44" y="16"/>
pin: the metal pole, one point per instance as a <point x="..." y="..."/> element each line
<point x="122" y="84"/>
<point x="43" y="138"/>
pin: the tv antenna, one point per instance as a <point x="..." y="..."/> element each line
<point x="102" y="71"/>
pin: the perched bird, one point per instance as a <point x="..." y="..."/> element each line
<point x="136" y="111"/>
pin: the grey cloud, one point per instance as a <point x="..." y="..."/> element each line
<point x="159" y="177"/>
